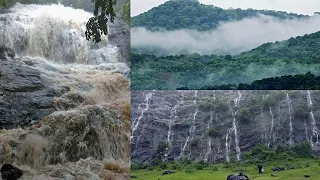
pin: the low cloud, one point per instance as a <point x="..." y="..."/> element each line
<point x="229" y="38"/>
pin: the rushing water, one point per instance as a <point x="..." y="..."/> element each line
<point x="88" y="134"/>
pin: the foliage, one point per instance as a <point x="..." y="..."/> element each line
<point x="97" y="25"/>
<point x="269" y="101"/>
<point x="243" y="116"/>
<point x="270" y="66"/>
<point x="302" y="149"/>
<point x="125" y="11"/>
<point x="190" y="14"/>
<point x="161" y="150"/>
<point x="3" y="3"/>
<point x="206" y="106"/>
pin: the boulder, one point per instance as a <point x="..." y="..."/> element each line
<point x="274" y="175"/>
<point x="25" y="95"/>
<point x="9" y="172"/>
<point x="6" y="52"/>
<point x="168" y="172"/>
<point x="239" y="176"/>
<point x="278" y="169"/>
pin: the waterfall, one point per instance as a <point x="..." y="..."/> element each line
<point x="272" y="124"/>
<point x="209" y="139"/>
<point x="315" y="130"/>
<point x="234" y="129"/>
<point x="172" y="118"/>
<point x="234" y="124"/>
<point x="228" y="144"/>
<point x="57" y="34"/>
<point x="195" y="113"/>
<point x="135" y="124"/>
<point x="193" y="127"/>
<point x="290" y="112"/>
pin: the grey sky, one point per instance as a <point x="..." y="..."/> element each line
<point x="296" y="6"/>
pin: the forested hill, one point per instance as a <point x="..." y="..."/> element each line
<point x="294" y="56"/>
<point x="190" y="14"/>
<point x="303" y="48"/>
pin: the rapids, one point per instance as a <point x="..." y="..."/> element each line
<point x="88" y="134"/>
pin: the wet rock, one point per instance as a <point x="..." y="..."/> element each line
<point x="6" y="52"/>
<point x="168" y="172"/>
<point x="25" y="95"/>
<point x="119" y="35"/>
<point x="278" y="169"/>
<point x="9" y="172"/>
<point x="239" y="176"/>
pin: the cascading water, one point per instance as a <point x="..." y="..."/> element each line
<point x="90" y="118"/>
<point x="172" y="118"/>
<point x="136" y="123"/>
<point x="193" y="127"/>
<point x="290" y="113"/>
<point x="271" y="136"/>
<point x="234" y="124"/>
<point x="57" y="34"/>
<point x="234" y="129"/>
<point x="315" y="130"/>
<point x="209" y="140"/>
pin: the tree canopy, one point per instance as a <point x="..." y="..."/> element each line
<point x="190" y="14"/>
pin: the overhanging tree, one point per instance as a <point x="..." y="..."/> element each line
<point x="97" y="25"/>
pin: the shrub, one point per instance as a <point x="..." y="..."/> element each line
<point x="243" y="116"/>
<point x="206" y="106"/>
<point x="190" y="169"/>
<point x="269" y="102"/>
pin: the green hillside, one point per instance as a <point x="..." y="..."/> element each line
<point x="190" y="14"/>
<point x="294" y="56"/>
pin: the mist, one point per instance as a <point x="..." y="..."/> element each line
<point x="229" y="38"/>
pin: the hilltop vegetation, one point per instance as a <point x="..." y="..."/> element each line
<point x="190" y="14"/>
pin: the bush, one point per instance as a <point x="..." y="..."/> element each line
<point x="214" y="168"/>
<point x="206" y="106"/>
<point x="303" y="149"/>
<point x="269" y="102"/>
<point x="189" y="169"/>
<point x="243" y="116"/>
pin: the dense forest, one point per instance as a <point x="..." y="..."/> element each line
<point x="294" y="56"/>
<point x="306" y="81"/>
<point x="190" y="14"/>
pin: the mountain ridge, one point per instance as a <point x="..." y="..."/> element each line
<point x="191" y="14"/>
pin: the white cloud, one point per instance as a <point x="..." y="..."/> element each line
<point x="231" y="37"/>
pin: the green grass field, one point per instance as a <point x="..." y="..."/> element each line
<point x="220" y="172"/>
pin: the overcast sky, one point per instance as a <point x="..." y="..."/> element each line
<point x="296" y="6"/>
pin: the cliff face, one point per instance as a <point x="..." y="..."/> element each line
<point x="218" y="126"/>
